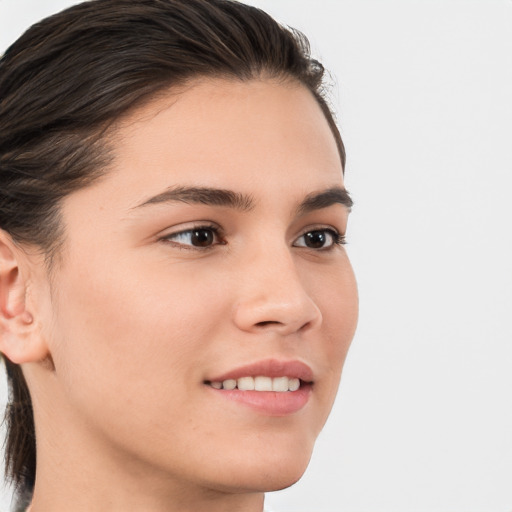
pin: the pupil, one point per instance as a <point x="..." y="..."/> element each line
<point x="202" y="237"/>
<point x="315" y="239"/>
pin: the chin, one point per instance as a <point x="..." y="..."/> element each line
<point x="270" y="471"/>
<point x="264" y="482"/>
<point x="278" y="482"/>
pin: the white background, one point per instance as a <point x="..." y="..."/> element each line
<point x="423" y="92"/>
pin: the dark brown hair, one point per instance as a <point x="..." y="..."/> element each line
<point x="69" y="77"/>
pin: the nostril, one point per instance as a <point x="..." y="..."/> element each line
<point x="267" y="322"/>
<point x="280" y="326"/>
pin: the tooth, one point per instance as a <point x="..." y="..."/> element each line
<point x="280" y="384"/>
<point x="246" y="384"/>
<point x="293" y="384"/>
<point x="263" y="383"/>
<point x="259" y="383"/>
<point x="229" y="384"/>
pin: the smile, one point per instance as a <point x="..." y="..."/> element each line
<point x="271" y="387"/>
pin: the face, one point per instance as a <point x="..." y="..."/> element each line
<point x="210" y="256"/>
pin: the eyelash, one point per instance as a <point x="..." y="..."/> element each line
<point x="217" y="234"/>
<point x="338" y="239"/>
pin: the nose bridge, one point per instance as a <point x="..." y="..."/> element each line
<point x="272" y="294"/>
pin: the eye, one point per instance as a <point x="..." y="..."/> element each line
<point x="201" y="237"/>
<point x="320" y="239"/>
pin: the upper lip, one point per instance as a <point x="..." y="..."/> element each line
<point x="269" y="368"/>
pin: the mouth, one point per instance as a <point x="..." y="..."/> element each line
<point x="271" y="387"/>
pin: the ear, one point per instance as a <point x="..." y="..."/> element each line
<point x="20" y="340"/>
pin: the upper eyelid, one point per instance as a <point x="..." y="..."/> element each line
<point x="321" y="227"/>
<point x="218" y="229"/>
<point x="186" y="227"/>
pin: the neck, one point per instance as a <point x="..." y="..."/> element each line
<point x="49" y="499"/>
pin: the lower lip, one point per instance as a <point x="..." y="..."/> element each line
<point x="271" y="403"/>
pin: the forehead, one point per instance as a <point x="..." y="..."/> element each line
<point x="262" y="138"/>
<point x="245" y="129"/>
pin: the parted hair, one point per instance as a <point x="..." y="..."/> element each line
<point x="65" y="82"/>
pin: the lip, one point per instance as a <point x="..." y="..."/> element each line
<point x="269" y="368"/>
<point x="268" y="403"/>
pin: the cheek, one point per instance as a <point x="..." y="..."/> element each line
<point x="122" y="337"/>
<point x="335" y="293"/>
<point x="337" y="298"/>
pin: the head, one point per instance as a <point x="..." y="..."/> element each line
<point x="171" y="211"/>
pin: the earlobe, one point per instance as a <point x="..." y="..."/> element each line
<point x="19" y="337"/>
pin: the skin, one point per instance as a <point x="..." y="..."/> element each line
<point x="117" y="345"/>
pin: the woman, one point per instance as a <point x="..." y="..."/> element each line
<point x="176" y="301"/>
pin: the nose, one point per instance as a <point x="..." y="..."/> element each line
<point x="272" y="296"/>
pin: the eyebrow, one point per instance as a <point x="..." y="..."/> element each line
<point x="203" y="195"/>
<point x="324" y="199"/>
<point x="244" y="202"/>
